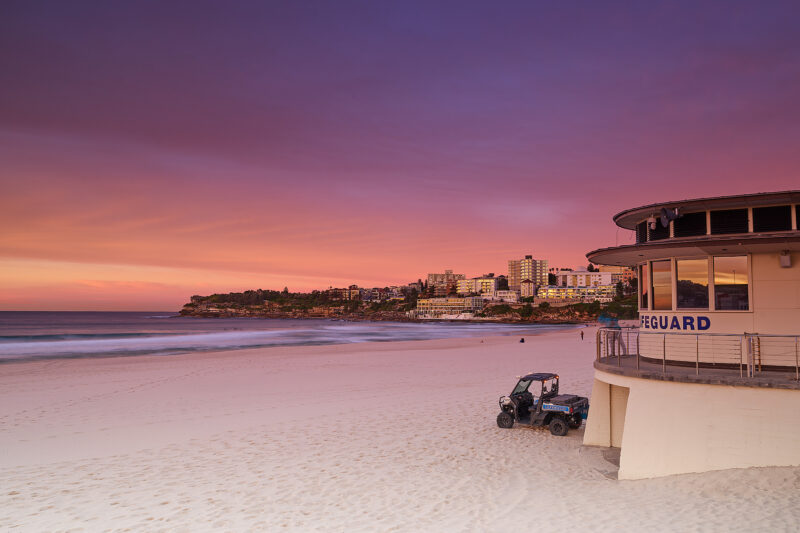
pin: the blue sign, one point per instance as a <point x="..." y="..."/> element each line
<point x="551" y="407"/>
<point x="675" y="323"/>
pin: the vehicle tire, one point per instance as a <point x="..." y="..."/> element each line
<point x="558" y="426"/>
<point x="505" y="420"/>
<point x="575" y="422"/>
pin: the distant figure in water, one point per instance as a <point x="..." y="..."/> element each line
<point x="581" y="335"/>
<point x="522" y="339"/>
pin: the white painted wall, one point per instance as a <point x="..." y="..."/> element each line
<point x="676" y="428"/>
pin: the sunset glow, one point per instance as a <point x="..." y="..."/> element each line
<point x="150" y="153"/>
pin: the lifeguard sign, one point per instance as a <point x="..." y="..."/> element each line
<point x="675" y="322"/>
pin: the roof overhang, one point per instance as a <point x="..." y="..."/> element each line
<point x="630" y="217"/>
<point x="696" y="246"/>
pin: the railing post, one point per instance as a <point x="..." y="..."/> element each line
<point x="637" y="349"/>
<point x="664" y="353"/>
<point x="740" y="357"/>
<point x="697" y="355"/>
<point x="796" y="359"/>
<point x="598" y="336"/>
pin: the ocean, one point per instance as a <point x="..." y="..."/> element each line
<point x="33" y="335"/>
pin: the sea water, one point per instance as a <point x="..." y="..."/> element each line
<point x="45" y="334"/>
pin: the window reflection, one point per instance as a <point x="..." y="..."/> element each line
<point x="692" y="286"/>
<point x="731" y="283"/>
<point x="662" y="285"/>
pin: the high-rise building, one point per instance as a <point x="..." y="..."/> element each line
<point x="527" y="268"/>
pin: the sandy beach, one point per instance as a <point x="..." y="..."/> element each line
<point x="396" y="436"/>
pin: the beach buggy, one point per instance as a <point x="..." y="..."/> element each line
<point x="535" y="402"/>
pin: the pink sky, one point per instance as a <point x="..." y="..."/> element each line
<point x="153" y="154"/>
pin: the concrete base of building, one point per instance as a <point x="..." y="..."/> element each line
<point x="666" y="428"/>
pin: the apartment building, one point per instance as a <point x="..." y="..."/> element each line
<point x="437" y="307"/>
<point x="599" y="293"/>
<point x="442" y="284"/>
<point x="583" y="278"/>
<point x="479" y="285"/>
<point x="527" y="268"/>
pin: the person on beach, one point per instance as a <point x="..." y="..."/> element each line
<point x="522" y="339"/>
<point x="581" y="335"/>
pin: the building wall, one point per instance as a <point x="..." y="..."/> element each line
<point x="677" y="428"/>
<point x="608" y="409"/>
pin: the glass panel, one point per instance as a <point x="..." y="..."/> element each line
<point x="729" y="221"/>
<point x="659" y="232"/>
<point x="644" y="284"/>
<point x="662" y="285"/>
<point x="690" y="225"/>
<point x="692" y="286"/>
<point x="730" y="283"/>
<point x="522" y="386"/>
<point x="777" y="218"/>
<point x="641" y="232"/>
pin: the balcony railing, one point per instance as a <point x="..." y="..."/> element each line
<point x="749" y="354"/>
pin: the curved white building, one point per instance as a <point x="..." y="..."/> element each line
<point x="709" y="380"/>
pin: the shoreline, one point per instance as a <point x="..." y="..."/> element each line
<point x="189" y="342"/>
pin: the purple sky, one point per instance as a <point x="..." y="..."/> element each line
<point x="160" y="149"/>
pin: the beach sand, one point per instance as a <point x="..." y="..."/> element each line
<point x="370" y="437"/>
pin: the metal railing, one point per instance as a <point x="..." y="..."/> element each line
<point x="749" y="353"/>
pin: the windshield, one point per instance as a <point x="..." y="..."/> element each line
<point x="522" y="386"/>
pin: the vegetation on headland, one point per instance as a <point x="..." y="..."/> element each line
<point x="321" y="304"/>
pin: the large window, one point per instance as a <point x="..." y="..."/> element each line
<point x="729" y="221"/>
<point x="662" y="285"/>
<point x="644" y="284"/>
<point x="731" y="283"/>
<point x="776" y="218"/>
<point x="692" y="283"/>
<point x="690" y="224"/>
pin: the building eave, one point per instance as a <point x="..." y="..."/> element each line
<point x="630" y="217"/>
<point x="630" y="255"/>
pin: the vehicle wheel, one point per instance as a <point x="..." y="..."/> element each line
<point x="505" y="420"/>
<point x="575" y="422"/>
<point x="558" y="426"/>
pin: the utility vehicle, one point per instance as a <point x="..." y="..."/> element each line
<point x="535" y="401"/>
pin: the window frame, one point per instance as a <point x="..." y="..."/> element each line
<point x="712" y="293"/>
<point x="646" y="267"/>
<point x="709" y="278"/>
<point x="712" y="302"/>
<point x="671" y="261"/>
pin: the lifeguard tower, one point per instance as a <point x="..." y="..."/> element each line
<point x="710" y="379"/>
